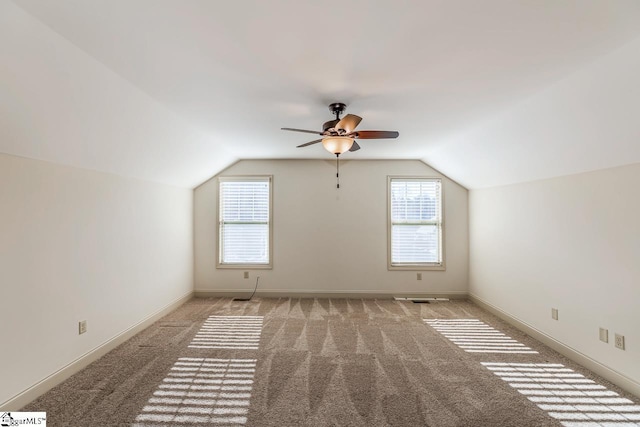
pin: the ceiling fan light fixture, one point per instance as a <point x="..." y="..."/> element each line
<point x="337" y="144"/>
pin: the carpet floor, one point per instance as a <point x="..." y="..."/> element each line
<point x="334" y="362"/>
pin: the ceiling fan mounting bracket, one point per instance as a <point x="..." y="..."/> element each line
<point x="337" y="108"/>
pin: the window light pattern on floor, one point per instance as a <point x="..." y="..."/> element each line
<point x="202" y="391"/>
<point x="475" y="336"/>
<point x="568" y="396"/>
<point x="229" y="332"/>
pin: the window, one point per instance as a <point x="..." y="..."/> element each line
<point x="415" y="223"/>
<point x="244" y="218"/>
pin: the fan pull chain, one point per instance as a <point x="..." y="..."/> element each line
<point x="337" y="170"/>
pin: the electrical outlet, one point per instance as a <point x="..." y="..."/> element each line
<point x="604" y="335"/>
<point x="82" y="327"/>
<point x="246" y="274"/>
<point x="419" y="276"/>
<point x="620" y="341"/>
<point x="554" y="313"/>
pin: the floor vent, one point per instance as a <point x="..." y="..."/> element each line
<point x="420" y="300"/>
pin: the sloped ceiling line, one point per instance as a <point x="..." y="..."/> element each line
<point x="175" y="91"/>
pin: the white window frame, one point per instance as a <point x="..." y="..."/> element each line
<point x="422" y="265"/>
<point x="245" y="266"/>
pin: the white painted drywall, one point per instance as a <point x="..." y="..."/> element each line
<point x="584" y="122"/>
<point x="59" y="104"/>
<point x="82" y="245"/>
<point x="572" y="243"/>
<point x="328" y="240"/>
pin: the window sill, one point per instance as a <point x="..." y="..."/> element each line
<point x="244" y="266"/>
<point x="416" y="267"/>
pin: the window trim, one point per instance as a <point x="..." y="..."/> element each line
<point x="417" y="266"/>
<point x="219" y="263"/>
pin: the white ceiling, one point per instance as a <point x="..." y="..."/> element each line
<point x="175" y="90"/>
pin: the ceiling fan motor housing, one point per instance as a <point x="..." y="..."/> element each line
<point x="336" y="108"/>
<point x="329" y="125"/>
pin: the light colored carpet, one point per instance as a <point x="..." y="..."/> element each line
<point x="334" y="362"/>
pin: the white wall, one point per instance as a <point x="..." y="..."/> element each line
<point x="328" y="240"/>
<point x="75" y="245"/>
<point x="59" y="104"/>
<point x="572" y="243"/>
<point x="537" y="138"/>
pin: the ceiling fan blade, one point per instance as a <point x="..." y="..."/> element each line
<point x="310" y="143"/>
<point x="348" y="123"/>
<point x="302" y="130"/>
<point x="376" y="134"/>
<point x="354" y="146"/>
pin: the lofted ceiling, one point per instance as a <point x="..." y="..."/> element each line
<point x="489" y="92"/>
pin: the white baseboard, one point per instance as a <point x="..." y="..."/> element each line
<point x="299" y="293"/>
<point x="28" y="395"/>
<point x="604" y="371"/>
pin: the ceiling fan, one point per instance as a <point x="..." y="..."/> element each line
<point x="338" y="135"/>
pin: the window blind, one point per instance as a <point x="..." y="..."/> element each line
<point x="416" y="221"/>
<point x="244" y="220"/>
